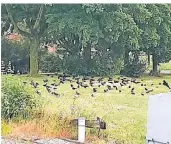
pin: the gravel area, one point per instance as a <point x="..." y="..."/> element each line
<point x="42" y="141"/>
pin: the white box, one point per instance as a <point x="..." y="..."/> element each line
<point x="159" y="119"/>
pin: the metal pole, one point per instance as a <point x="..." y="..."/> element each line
<point x="81" y="129"/>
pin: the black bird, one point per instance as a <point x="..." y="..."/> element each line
<point x="48" y="89"/>
<point x="38" y="92"/>
<point x="132" y="93"/>
<point x="24" y="83"/>
<point x="142" y="94"/>
<point x="121" y="84"/>
<point x="141" y="84"/>
<point x="94" y="89"/>
<point x="54" y="88"/>
<point x="103" y="83"/>
<point x="54" y="84"/>
<point x="115" y="87"/>
<point x="105" y="90"/>
<point x="159" y="83"/>
<point x="149" y="91"/>
<point x="109" y="87"/>
<point x="77" y="93"/>
<point x="45" y="81"/>
<point x="120" y="91"/>
<point x="56" y="94"/>
<point x="110" y="79"/>
<point x="92" y="95"/>
<point x="45" y="85"/>
<point x="73" y="88"/>
<point x="129" y="86"/>
<point x="115" y="81"/>
<point x="146" y="89"/>
<point x="166" y="84"/>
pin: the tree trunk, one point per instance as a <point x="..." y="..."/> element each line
<point x="126" y="58"/>
<point x="148" y="58"/>
<point x="87" y="56"/>
<point x="154" y="57"/>
<point x="34" y="45"/>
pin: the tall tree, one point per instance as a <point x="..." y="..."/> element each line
<point x="28" y="20"/>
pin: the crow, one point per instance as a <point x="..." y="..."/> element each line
<point x="142" y="94"/>
<point x="109" y="87"/>
<point x="48" y="89"/>
<point x="24" y="83"/>
<point x="121" y="84"/>
<point x="129" y="86"/>
<point x="56" y="94"/>
<point x="77" y="93"/>
<point x="45" y="85"/>
<point x="94" y="89"/>
<point x="54" y="84"/>
<point x="149" y="91"/>
<point x="132" y="93"/>
<point x="146" y="89"/>
<point x="74" y="88"/>
<point x="38" y="92"/>
<point x="110" y="79"/>
<point x="115" y="81"/>
<point x="166" y="84"/>
<point x="105" y="90"/>
<point x="45" y="81"/>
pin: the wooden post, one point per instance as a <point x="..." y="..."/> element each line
<point x="81" y="129"/>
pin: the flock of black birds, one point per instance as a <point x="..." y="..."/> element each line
<point x="90" y="82"/>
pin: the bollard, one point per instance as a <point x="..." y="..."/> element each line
<point x="81" y="129"/>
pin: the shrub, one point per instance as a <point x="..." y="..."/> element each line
<point x="50" y="63"/>
<point x="135" y="68"/>
<point x="17" y="100"/>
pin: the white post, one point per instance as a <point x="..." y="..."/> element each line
<point x="81" y="129"/>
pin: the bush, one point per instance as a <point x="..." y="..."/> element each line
<point x="135" y="68"/>
<point x="50" y="63"/>
<point x="17" y="100"/>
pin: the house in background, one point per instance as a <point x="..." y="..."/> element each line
<point x="17" y="37"/>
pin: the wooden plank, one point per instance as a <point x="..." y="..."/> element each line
<point x="91" y="124"/>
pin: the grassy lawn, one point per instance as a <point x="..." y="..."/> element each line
<point x="124" y="113"/>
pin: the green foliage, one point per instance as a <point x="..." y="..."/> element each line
<point x="11" y="51"/>
<point x="18" y="100"/>
<point x="135" y="67"/>
<point x="50" y="63"/>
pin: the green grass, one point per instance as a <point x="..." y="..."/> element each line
<point x="125" y="114"/>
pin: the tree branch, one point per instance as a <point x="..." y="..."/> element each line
<point x="15" y="23"/>
<point x="39" y="17"/>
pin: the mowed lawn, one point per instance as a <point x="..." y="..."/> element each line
<point x="124" y="113"/>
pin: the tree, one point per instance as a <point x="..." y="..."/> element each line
<point x="156" y="32"/>
<point x="29" y="21"/>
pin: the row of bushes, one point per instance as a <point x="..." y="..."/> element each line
<point x="99" y="66"/>
<point x="106" y="63"/>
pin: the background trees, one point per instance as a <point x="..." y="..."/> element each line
<point x="94" y="38"/>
